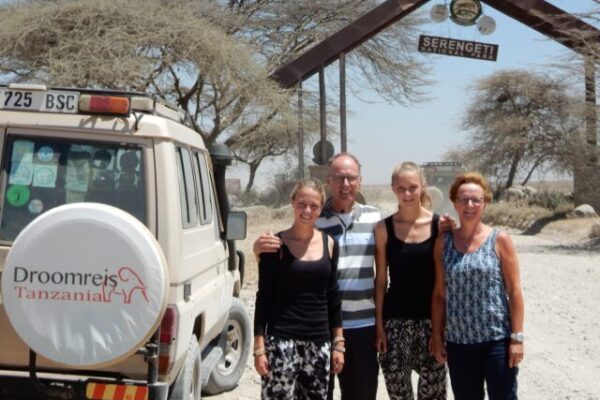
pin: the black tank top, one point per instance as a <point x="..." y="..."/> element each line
<point x="298" y="299"/>
<point x="411" y="271"/>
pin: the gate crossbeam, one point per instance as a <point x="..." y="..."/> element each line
<point x="539" y="15"/>
<point x="344" y="40"/>
<point x="550" y="21"/>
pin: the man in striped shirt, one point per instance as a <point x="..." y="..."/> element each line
<point x="352" y="225"/>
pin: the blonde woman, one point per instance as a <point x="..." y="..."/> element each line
<point x="404" y="252"/>
<point x="478" y="306"/>
<point x="298" y="323"/>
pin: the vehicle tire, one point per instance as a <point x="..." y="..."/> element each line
<point x="229" y="369"/>
<point x="188" y="382"/>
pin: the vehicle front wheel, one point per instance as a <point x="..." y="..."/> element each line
<point x="229" y="369"/>
<point x="187" y="385"/>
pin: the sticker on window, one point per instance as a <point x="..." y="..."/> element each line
<point x="22" y="151"/>
<point x="78" y="171"/>
<point x="45" y="153"/>
<point x="44" y="176"/>
<point x="36" y="206"/>
<point x="21" y="173"/>
<point x="17" y="195"/>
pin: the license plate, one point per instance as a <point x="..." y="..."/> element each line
<point x="34" y="100"/>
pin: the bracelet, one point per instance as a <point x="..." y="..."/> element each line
<point x="339" y="349"/>
<point x="338" y="339"/>
<point x="259" y="352"/>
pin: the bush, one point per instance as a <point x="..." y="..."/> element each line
<point x="522" y="213"/>
<point x="555" y="201"/>
<point x="245" y="199"/>
<point x="279" y="193"/>
<point x="514" y="214"/>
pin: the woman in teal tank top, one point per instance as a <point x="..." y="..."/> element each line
<point x="477" y="304"/>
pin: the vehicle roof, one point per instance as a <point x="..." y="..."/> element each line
<point x="149" y="117"/>
<point x="137" y="124"/>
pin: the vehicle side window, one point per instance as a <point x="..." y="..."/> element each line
<point x="187" y="191"/>
<point x="204" y="188"/>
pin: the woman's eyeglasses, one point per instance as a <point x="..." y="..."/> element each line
<point x="464" y="201"/>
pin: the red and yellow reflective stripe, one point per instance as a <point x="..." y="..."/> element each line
<point x="103" y="391"/>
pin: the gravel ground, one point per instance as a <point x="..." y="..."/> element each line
<point x="561" y="282"/>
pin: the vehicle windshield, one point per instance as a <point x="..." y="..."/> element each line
<point x="42" y="173"/>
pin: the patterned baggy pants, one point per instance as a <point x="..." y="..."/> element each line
<point x="408" y="350"/>
<point x="298" y="369"/>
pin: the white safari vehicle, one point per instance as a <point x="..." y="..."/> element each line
<point x="120" y="278"/>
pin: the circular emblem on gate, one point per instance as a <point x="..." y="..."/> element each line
<point x="465" y="12"/>
<point x="85" y="284"/>
<point x="486" y="25"/>
<point x="439" y="13"/>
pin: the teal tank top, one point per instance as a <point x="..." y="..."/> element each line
<point x="476" y="300"/>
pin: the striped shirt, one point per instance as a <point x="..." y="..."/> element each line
<point x="354" y="232"/>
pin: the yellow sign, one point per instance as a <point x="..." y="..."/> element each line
<point x="465" y="12"/>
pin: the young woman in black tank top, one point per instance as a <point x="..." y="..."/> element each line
<point x="404" y="251"/>
<point x="298" y="337"/>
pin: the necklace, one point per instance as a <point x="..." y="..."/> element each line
<point x="467" y="243"/>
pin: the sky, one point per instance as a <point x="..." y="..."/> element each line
<point x="382" y="135"/>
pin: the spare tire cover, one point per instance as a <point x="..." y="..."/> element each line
<point x="85" y="284"/>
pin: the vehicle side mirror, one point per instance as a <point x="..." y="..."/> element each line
<point x="236" y="225"/>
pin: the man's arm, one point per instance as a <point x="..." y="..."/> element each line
<point x="446" y="223"/>
<point x="266" y="243"/>
<point x="381" y="283"/>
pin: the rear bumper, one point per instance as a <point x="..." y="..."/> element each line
<point x="19" y="386"/>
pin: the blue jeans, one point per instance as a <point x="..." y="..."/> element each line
<point x="470" y="365"/>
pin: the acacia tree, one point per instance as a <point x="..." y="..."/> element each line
<point x="282" y="30"/>
<point x="520" y="122"/>
<point x="262" y="145"/>
<point x="169" y="48"/>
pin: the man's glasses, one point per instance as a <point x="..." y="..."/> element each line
<point x="464" y="201"/>
<point x="339" y="178"/>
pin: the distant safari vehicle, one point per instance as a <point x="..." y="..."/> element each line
<point x="120" y="278"/>
<point x="439" y="175"/>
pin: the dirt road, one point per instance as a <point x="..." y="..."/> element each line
<point x="561" y="286"/>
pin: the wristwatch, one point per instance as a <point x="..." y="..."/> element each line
<point x="517" y="337"/>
